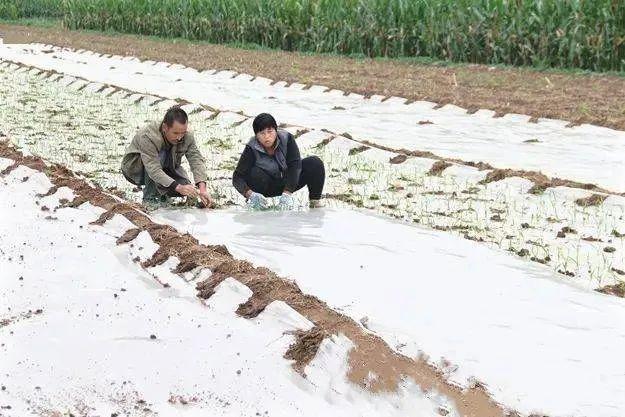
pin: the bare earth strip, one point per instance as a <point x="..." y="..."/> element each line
<point x="595" y="99"/>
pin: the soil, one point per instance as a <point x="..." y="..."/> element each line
<point x="578" y="98"/>
<point x="399" y="159"/>
<point x="438" y="167"/>
<point x="129" y="235"/>
<point x="616" y="289"/>
<point x="359" y="149"/>
<point x="593" y="200"/>
<point x="305" y="347"/>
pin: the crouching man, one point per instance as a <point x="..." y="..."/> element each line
<point x="153" y="160"/>
<point x="271" y="166"/>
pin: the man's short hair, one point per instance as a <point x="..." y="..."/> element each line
<point x="175" y="114"/>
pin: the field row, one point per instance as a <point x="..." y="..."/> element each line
<point x="86" y="126"/>
<point x="545" y="148"/>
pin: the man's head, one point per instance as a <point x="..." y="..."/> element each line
<point x="174" y="124"/>
<point x="265" y="129"/>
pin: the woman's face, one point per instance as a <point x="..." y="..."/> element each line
<point x="267" y="137"/>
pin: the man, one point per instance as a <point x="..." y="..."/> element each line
<point x="153" y="159"/>
<point x="271" y="166"/>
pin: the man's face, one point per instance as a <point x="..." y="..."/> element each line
<point x="174" y="133"/>
<point x="267" y="137"/>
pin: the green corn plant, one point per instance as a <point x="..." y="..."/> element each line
<point x="545" y="33"/>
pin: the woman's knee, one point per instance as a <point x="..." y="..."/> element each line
<point x="314" y="163"/>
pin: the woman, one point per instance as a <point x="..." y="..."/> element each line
<point x="271" y="166"/>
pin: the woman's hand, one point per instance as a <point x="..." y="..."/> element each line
<point x="286" y="201"/>
<point x="256" y="201"/>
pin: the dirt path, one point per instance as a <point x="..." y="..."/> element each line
<point x="593" y="99"/>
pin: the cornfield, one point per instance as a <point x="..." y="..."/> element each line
<point x="16" y="9"/>
<point x="587" y="34"/>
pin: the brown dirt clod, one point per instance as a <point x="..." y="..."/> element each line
<point x="616" y="289"/>
<point x="593" y="200"/>
<point x="500" y="174"/>
<point x="50" y="191"/>
<point x="357" y="150"/>
<point x="305" y="347"/>
<point x="255" y="305"/>
<point x="324" y="142"/>
<point x="438" y="167"/>
<point x="129" y="235"/>
<point x="398" y="159"/>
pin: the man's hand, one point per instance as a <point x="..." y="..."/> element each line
<point x="187" y="190"/>
<point x="204" y="196"/>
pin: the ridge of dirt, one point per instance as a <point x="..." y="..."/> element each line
<point x="540" y="180"/>
<point x="370" y="355"/>
<point x="579" y="98"/>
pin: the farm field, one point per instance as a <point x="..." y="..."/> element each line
<point x="467" y="262"/>
<point x="560" y="223"/>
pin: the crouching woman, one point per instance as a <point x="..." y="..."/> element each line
<point x="271" y="166"/>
